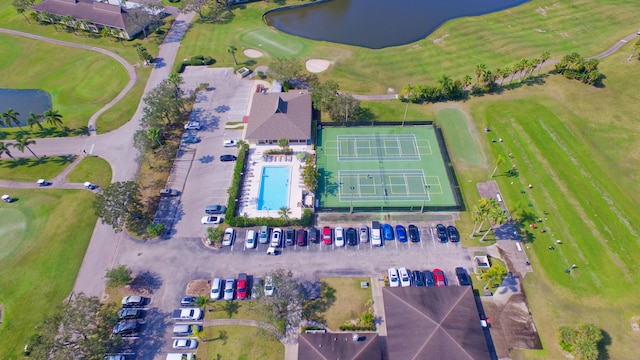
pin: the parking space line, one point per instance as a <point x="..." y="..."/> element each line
<point x="432" y="238"/>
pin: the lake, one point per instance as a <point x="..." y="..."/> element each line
<point x="377" y="24"/>
<point x="24" y="102"/>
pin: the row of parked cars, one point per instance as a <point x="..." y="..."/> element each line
<point x="128" y="317"/>
<point x="241" y="288"/>
<point x="403" y="277"/>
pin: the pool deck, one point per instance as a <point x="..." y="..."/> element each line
<point x="248" y="201"/>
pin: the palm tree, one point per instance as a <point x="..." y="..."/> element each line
<point x="5" y="150"/>
<point x="481" y="69"/>
<point x="197" y="332"/>
<point x="466" y="81"/>
<point x="34" y="120"/>
<point x="69" y="23"/>
<point x="496" y="216"/>
<point x="499" y="161"/>
<point x="445" y="83"/>
<point x="10" y="116"/>
<point x="284" y="213"/>
<point x="202" y="301"/>
<point x="521" y="65"/>
<point x="504" y="73"/>
<point x="232" y="50"/>
<point x="23" y="143"/>
<point x="543" y="58"/>
<point x="53" y="117"/>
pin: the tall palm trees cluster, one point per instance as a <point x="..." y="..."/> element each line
<point x="10" y="118"/>
<point x="486" y="81"/>
<point x="574" y="66"/>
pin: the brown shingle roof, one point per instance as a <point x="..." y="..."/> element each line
<point x="280" y="115"/>
<point x="433" y="323"/>
<point x="339" y="346"/>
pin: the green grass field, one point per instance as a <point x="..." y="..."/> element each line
<point x="93" y="169"/>
<point x="32" y="169"/>
<point x="376" y="167"/>
<point x="461" y="144"/>
<point x="239" y="342"/>
<point x="349" y="303"/>
<point x="40" y="254"/>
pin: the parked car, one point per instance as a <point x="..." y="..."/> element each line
<point x="442" y="233"/>
<point x="414" y="233"/>
<point x="215" y="209"/>
<point x="402" y="233"/>
<point x="185" y="330"/>
<point x="263" y="238"/>
<point x="169" y="192"/>
<point x="192" y="125"/>
<point x="256" y="287"/>
<point x="276" y="238"/>
<point x="339" y="235"/>
<point x="229" y="286"/>
<point x="230" y="143"/>
<point x="429" y="279"/>
<point x="190" y="139"/>
<point x="129" y="313"/>
<point x="7" y="198"/>
<point x="463" y="277"/>
<point x="216" y="289"/>
<point x="405" y="278"/>
<point x="289" y="236"/>
<point x="185" y="344"/>
<point x="439" y="276"/>
<point x="417" y="278"/>
<point x="211" y="220"/>
<point x="228" y="237"/>
<point x="250" y="239"/>
<point x="187" y="314"/>
<point x="241" y="287"/>
<point x="87" y="185"/>
<point x="126" y="328"/>
<point x="228" y="157"/>
<point x="301" y="237"/>
<point x="268" y="286"/>
<point x="43" y="182"/>
<point x="394" y="281"/>
<point x="313" y="235"/>
<point x="352" y="237"/>
<point x="364" y="234"/>
<point x="387" y="232"/>
<point x="454" y="236"/>
<point x="376" y="239"/>
<point x="132" y="301"/>
<point x="272" y="250"/>
<point x="188" y="301"/>
<point x="326" y="235"/>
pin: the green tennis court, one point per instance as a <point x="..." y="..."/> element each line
<point x="372" y="168"/>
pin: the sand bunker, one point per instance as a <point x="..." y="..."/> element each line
<point x="253" y="53"/>
<point x="317" y="65"/>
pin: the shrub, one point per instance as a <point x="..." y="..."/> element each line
<point x="155" y="230"/>
<point x="357" y="327"/>
<point x="118" y="276"/>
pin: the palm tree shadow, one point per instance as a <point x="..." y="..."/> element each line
<point x="222" y="336"/>
<point x="231" y="308"/>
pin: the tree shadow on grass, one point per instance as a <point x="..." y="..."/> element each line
<point x="603" y="353"/>
<point x="230" y="308"/>
<point x="314" y="310"/>
<point x="222" y="336"/>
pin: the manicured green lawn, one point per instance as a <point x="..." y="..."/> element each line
<point x="32" y="169"/>
<point x="93" y="169"/>
<point x="40" y="254"/>
<point x="233" y="310"/>
<point x="349" y="303"/>
<point x="460" y="143"/>
<point x="239" y="342"/>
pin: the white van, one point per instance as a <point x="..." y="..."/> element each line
<point x="216" y="289"/>
<point x="181" y="356"/>
<point x="376" y="239"/>
<point x="250" y="239"/>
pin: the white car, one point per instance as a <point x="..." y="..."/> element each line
<point x="228" y="237"/>
<point x="230" y="143"/>
<point x="185" y="344"/>
<point x="364" y="234"/>
<point x="394" y="281"/>
<point x="7" y="198"/>
<point x="339" y="235"/>
<point x="250" y="239"/>
<point x="268" y="286"/>
<point x="211" y="220"/>
<point x="216" y="289"/>
<point x="192" y="125"/>
<point x="229" y="290"/>
<point x="405" y="279"/>
<point x="276" y="238"/>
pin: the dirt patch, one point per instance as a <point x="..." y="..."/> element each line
<point x="253" y="53"/>
<point x="2" y="313"/>
<point x="635" y="326"/>
<point x="440" y="39"/>
<point x="198" y="287"/>
<point x="317" y="65"/>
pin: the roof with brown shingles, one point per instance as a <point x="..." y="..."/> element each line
<point x="339" y="346"/>
<point x="280" y="115"/>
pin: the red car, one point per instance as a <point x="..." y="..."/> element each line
<point x="439" y="275"/>
<point x="241" y="289"/>
<point x="326" y="235"/>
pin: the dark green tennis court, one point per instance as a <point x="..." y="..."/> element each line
<point x="382" y="167"/>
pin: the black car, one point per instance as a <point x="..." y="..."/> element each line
<point x="414" y="233"/>
<point x="463" y="277"/>
<point x="228" y="157"/>
<point x="129" y="314"/>
<point x="429" y="279"/>
<point x="442" y="233"/>
<point x="169" y="192"/>
<point x="313" y="236"/>
<point x="352" y="237"/>
<point x="454" y="236"/>
<point x="418" y="278"/>
<point x="289" y="236"/>
<point x="125" y="328"/>
<point x="188" y="301"/>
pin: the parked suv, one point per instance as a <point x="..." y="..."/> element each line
<point x="463" y="276"/>
<point x="313" y="235"/>
<point x="276" y="238"/>
<point x="290" y="236"/>
<point x="264" y="235"/>
<point x="301" y="238"/>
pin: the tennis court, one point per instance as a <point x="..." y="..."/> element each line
<point x="371" y="168"/>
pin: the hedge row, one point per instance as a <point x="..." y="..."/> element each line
<point x="358" y="327"/>
<point x="197" y="60"/>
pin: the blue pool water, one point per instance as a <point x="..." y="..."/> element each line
<point x="274" y="187"/>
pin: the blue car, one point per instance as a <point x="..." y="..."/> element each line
<point x="402" y="233"/>
<point x="429" y="279"/>
<point x="387" y="232"/>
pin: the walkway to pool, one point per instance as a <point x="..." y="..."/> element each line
<point x="248" y="201"/>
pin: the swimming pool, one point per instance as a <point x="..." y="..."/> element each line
<point x="274" y="187"/>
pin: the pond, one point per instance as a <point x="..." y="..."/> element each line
<point x="24" y="102"/>
<point x="377" y="24"/>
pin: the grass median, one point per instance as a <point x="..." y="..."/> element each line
<point x="239" y="342"/>
<point x="93" y="169"/>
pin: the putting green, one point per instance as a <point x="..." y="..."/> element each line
<point x="273" y="43"/>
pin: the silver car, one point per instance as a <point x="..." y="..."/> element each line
<point x="228" y="237"/>
<point x="229" y="290"/>
<point x="364" y="234"/>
